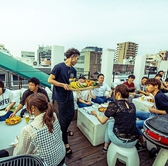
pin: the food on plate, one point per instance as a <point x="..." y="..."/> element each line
<point x="13" y="120"/>
<point x="85" y="84"/>
<point x="102" y="109"/>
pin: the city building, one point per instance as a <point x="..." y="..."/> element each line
<point x="44" y="56"/>
<point x="154" y="59"/>
<point x="4" y="50"/>
<point x="126" y="52"/>
<point x="89" y="63"/>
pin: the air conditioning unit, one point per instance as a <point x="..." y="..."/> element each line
<point x="35" y="63"/>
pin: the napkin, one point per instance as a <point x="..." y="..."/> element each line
<point x="15" y="141"/>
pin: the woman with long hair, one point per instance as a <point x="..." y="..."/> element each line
<point x="122" y="131"/>
<point x="43" y="136"/>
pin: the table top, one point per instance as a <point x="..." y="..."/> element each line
<point x="9" y="133"/>
<point x="144" y="102"/>
<point x="86" y="111"/>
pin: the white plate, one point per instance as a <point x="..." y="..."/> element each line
<point x="104" y="105"/>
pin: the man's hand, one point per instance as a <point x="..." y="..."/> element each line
<point x="66" y="86"/>
<point x="88" y="102"/>
<point x="12" y="115"/>
<point x="108" y="96"/>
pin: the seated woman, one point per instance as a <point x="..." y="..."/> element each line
<point x="43" y="136"/>
<point x="84" y="98"/>
<point x="121" y="131"/>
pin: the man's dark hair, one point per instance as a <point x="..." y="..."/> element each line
<point x="144" y="77"/>
<point x="158" y="75"/>
<point x="160" y="71"/>
<point x="131" y="76"/>
<point x="153" y="81"/>
<point x="100" y="75"/>
<point x="82" y="77"/>
<point x="34" y="80"/>
<point x="1" y="84"/>
<point x="72" y="51"/>
<point x="166" y="80"/>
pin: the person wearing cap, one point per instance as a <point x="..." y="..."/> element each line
<point x="7" y="101"/>
<point x="34" y="87"/>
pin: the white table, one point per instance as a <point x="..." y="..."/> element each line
<point x="9" y="133"/>
<point x="142" y="105"/>
<point x="90" y="126"/>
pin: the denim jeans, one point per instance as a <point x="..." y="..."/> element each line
<point x="81" y="105"/>
<point x="101" y="100"/>
<point x="110" y="136"/>
<point x="4" y="117"/>
<point x="142" y="116"/>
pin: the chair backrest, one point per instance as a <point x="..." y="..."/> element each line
<point x="22" y="160"/>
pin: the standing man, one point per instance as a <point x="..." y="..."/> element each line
<point x="7" y="101"/>
<point x="60" y="77"/>
<point x="98" y="94"/>
<point x="33" y="84"/>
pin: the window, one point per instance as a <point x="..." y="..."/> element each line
<point x="2" y="77"/>
<point x="15" y="81"/>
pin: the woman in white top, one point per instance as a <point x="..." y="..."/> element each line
<point x="43" y="136"/>
<point x="84" y="98"/>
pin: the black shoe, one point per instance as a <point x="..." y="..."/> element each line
<point x="140" y="147"/>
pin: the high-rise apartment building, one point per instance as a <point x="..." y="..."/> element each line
<point x="125" y="52"/>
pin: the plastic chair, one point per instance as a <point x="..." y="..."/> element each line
<point x="129" y="156"/>
<point x="22" y="160"/>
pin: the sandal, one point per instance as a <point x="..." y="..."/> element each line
<point x="105" y="149"/>
<point x="70" y="133"/>
<point x="68" y="152"/>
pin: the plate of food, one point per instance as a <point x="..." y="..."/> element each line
<point x="13" y="120"/>
<point x="78" y="86"/>
<point x="102" y="109"/>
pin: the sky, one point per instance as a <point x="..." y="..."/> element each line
<point x="26" y="24"/>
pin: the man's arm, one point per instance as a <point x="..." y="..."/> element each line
<point x="16" y="110"/>
<point x="92" y="96"/>
<point x="156" y="111"/>
<point x="52" y="81"/>
<point x="110" y="93"/>
<point x="144" y="93"/>
<point x="9" y="106"/>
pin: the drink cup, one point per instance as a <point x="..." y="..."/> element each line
<point x="27" y="117"/>
<point x="143" y="98"/>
